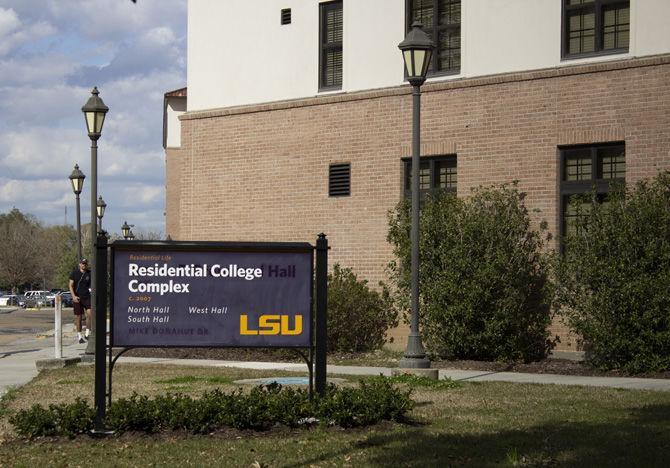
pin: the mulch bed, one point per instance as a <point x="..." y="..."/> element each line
<point x="546" y="366"/>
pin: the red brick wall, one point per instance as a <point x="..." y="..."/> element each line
<point x="260" y="173"/>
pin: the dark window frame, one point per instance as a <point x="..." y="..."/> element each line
<point x="325" y="47"/>
<point x="597" y="6"/>
<point x="434" y="30"/>
<point x="433" y="163"/>
<point x="570" y="188"/>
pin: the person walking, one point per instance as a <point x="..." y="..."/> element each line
<point x="80" y="288"/>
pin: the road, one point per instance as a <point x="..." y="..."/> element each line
<point x="23" y="329"/>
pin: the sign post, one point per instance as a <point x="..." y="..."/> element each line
<point x="101" y="334"/>
<point x="321" y="314"/>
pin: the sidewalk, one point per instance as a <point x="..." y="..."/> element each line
<point x="461" y="375"/>
<point x="18" y="368"/>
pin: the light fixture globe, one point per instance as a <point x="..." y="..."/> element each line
<point x="417" y="50"/>
<point x="125" y="230"/>
<point x="77" y="180"/>
<point x="100" y="207"/>
<point x="94" y="110"/>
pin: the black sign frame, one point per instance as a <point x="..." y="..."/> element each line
<point x="316" y="357"/>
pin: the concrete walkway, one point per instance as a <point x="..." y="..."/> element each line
<point x="461" y="375"/>
<point x="17" y="362"/>
<point x="18" y="368"/>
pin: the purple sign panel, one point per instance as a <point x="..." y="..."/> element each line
<point x="213" y="298"/>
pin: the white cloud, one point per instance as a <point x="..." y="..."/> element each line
<point x="13" y="33"/>
<point x="9" y="22"/>
<point x="35" y="70"/>
<point x="52" y="52"/>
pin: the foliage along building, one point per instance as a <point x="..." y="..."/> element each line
<point x="298" y="117"/>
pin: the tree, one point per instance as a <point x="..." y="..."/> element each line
<point x="20" y="249"/>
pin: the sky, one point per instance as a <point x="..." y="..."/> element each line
<point x="52" y="53"/>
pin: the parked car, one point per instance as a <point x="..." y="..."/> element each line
<point x="21" y="300"/>
<point x="36" y="292"/>
<point x="66" y="299"/>
<point x="9" y="300"/>
<point x="37" y="300"/>
<point x="53" y="293"/>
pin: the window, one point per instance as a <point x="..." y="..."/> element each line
<point x="339" y="180"/>
<point x="585" y="168"/>
<point x="285" y="16"/>
<point x="435" y="173"/>
<point x="330" y="41"/>
<point x="441" y="20"/>
<point x="595" y="27"/>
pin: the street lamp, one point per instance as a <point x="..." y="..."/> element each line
<point x="417" y="49"/>
<point x="77" y="180"/>
<point x="131" y="236"/>
<point x="100" y="207"/>
<point x="95" y="111"/>
<point x="125" y="230"/>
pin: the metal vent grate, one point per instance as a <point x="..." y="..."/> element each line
<point x="339" y="180"/>
<point x="286" y="16"/>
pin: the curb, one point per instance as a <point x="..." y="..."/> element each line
<point x="56" y="363"/>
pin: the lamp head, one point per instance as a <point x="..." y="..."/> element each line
<point x="77" y="180"/>
<point x="94" y="110"/>
<point x="417" y="50"/>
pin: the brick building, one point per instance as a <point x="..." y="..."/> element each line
<point x="304" y="127"/>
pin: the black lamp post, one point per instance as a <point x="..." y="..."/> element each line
<point x="95" y="111"/>
<point x="77" y="180"/>
<point x="417" y="49"/>
<point x="100" y="207"/>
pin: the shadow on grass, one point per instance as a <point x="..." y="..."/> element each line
<point x="642" y="439"/>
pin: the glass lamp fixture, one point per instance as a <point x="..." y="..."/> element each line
<point x="77" y="180"/>
<point x="94" y="110"/>
<point x="101" y="207"/>
<point x="417" y="50"/>
<point x="125" y="230"/>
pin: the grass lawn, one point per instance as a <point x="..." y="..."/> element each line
<point x="477" y="424"/>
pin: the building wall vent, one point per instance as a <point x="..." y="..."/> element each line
<point x="339" y="180"/>
<point x="286" y="16"/>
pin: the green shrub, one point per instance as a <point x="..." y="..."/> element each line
<point x="75" y="418"/>
<point x="614" y="277"/>
<point x="358" y="317"/>
<point x="259" y="409"/>
<point x="374" y="400"/>
<point x="64" y="420"/>
<point x="34" y="422"/>
<point x="484" y="291"/>
<point x="137" y="413"/>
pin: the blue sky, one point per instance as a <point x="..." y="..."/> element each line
<point x="52" y="53"/>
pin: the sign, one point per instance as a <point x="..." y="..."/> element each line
<point x="216" y="295"/>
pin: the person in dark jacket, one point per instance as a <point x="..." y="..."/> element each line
<point x="80" y="288"/>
